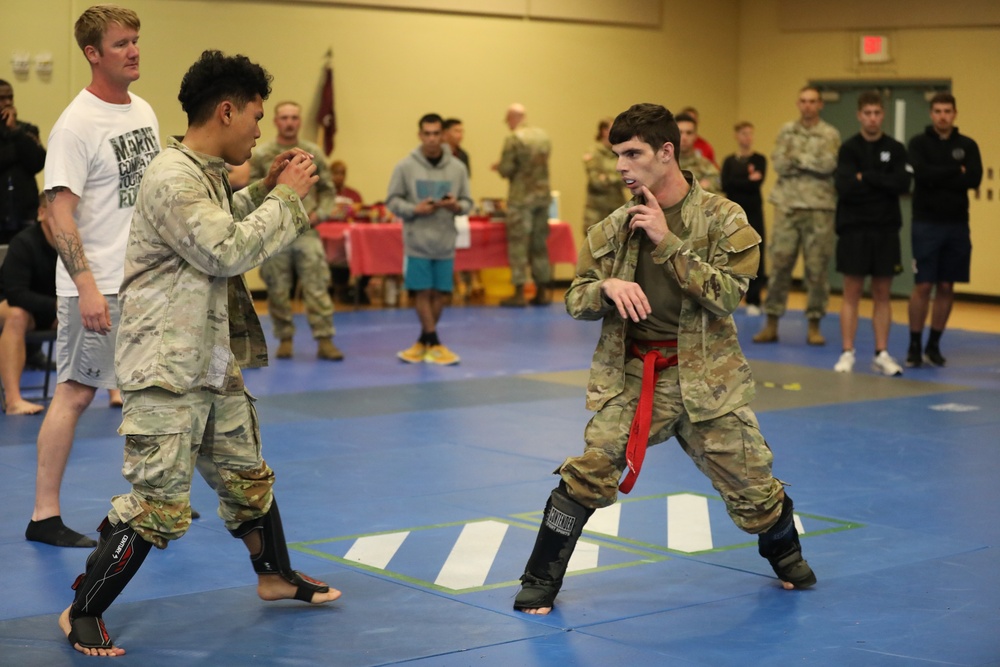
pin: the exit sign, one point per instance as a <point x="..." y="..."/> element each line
<point x="874" y="49"/>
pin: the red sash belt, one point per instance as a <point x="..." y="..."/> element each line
<point x="653" y="362"/>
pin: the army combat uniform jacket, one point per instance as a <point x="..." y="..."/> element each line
<point x="713" y="261"/>
<point x="804" y="159"/>
<point x="525" y="161"/>
<point x="187" y="317"/>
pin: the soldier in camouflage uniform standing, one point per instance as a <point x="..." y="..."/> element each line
<point x="187" y="328"/>
<point x="306" y="257"/>
<point x="604" y="185"/>
<point x="805" y="157"/>
<point x="665" y="275"/>
<point x="706" y="173"/>
<point x="525" y="162"/>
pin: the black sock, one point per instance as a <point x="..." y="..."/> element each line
<point x="53" y="531"/>
<point x="915" y="337"/>
<point x="934" y="338"/>
<point x="432" y="339"/>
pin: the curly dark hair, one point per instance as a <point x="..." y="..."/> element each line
<point x="216" y="77"/>
<point x="651" y="123"/>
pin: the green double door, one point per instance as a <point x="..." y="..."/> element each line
<point x="907" y="113"/>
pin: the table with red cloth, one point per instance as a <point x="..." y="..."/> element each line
<point x="373" y="249"/>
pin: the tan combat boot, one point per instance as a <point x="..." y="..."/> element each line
<point x="327" y="350"/>
<point x="284" y="349"/>
<point x="769" y="334"/>
<point x="815" y="336"/>
<point x="516" y="301"/>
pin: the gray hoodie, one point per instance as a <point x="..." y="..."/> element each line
<point x="428" y="236"/>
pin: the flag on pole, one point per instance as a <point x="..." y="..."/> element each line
<point x="326" y="117"/>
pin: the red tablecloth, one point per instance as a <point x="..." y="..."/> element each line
<point x="377" y="249"/>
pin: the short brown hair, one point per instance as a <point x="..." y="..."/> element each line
<point x="740" y="125"/>
<point x="944" y="98"/>
<point x="650" y="123"/>
<point x="870" y="98"/>
<point x="94" y="22"/>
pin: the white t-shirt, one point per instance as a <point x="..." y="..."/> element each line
<point x="100" y="151"/>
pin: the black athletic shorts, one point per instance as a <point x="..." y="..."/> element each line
<point x="869" y="252"/>
<point x="942" y="252"/>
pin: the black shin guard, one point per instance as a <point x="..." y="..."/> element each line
<point x="119" y="553"/>
<point x="562" y="524"/>
<point x="272" y="558"/>
<point x="780" y="546"/>
<point x="273" y="555"/>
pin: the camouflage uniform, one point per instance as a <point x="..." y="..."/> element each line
<point x="805" y="200"/>
<point x="703" y="401"/>
<point x="305" y="258"/>
<point x="702" y="168"/>
<point x="604" y="185"/>
<point x="187" y="327"/>
<point x="525" y="161"/>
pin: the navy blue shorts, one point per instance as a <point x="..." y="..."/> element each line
<point x="424" y="274"/>
<point x="869" y="252"/>
<point x="942" y="252"/>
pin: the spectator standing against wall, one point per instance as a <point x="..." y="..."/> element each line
<point x="946" y="165"/>
<point x="742" y="174"/>
<point x="305" y="257"/>
<point x="871" y="174"/>
<point x="804" y="198"/>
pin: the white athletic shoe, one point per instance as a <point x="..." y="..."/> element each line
<point x="753" y="311"/>
<point x="884" y="364"/>
<point x="846" y="362"/>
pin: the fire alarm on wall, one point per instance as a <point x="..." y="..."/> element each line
<point x="874" y="49"/>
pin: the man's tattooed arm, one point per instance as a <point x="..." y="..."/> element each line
<point x="68" y="245"/>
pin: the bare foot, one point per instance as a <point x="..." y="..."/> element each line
<point x="112" y="652"/>
<point x="541" y="611"/>
<point x="23" y="407"/>
<point x="787" y="585"/>
<point x="274" y="587"/>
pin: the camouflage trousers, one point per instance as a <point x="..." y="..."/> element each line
<point x="527" y="242"/>
<point x="813" y="232"/>
<point x="167" y="436"/>
<point x="729" y="450"/>
<point x="306" y="258"/>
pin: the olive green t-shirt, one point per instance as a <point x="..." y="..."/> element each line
<point x="660" y="287"/>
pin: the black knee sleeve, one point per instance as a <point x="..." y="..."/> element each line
<point x="119" y="553"/>
<point x="562" y="525"/>
<point x="273" y="555"/>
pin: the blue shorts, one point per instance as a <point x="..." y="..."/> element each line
<point x="424" y="274"/>
<point x="942" y="252"/>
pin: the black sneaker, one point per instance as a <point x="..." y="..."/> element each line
<point x="933" y="356"/>
<point x="913" y="357"/>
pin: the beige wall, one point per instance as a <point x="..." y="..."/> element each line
<point x="727" y="57"/>
<point x="773" y="65"/>
<point x="393" y="66"/>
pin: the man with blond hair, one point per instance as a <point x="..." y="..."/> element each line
<point x="98" y="151"/>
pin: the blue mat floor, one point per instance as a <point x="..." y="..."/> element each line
<point x="416" y="490"/>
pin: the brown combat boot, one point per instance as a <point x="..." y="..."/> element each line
<point x="815" y="336"/>
<point x="327" y="350"/>
<point x="516" y="301"/>
<point x="284" y="349"/>
<point x="769" y="334"/>
<point x="543" y="296"/>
